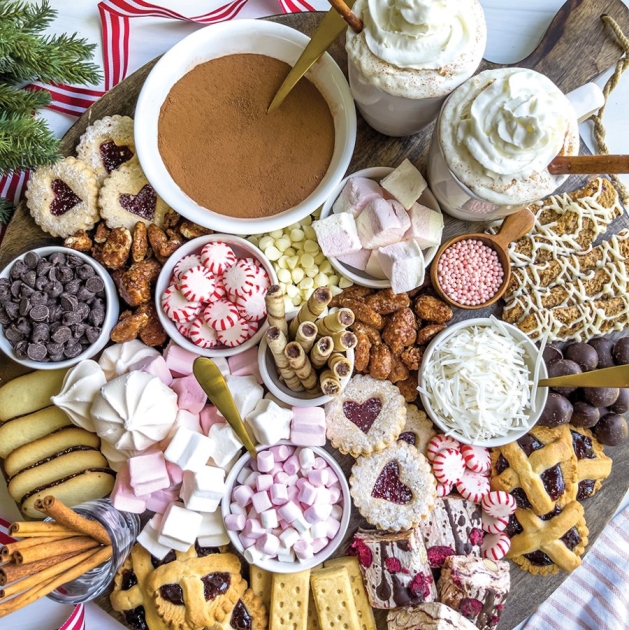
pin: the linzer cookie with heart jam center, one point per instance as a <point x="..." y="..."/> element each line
<point x="367" y="417"/>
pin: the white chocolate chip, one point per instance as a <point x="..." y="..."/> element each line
<point x="306" y="261"/>
<point x="282" y="244"/>
<point x="272" y="253"/>
<point x="264" y="242"/>
<point x="344" y="283"/>
<point x="276" y="234"/>
<point x="297" y="235"/>
<point x="321" y="280"/>
<point x="306" y="283"/>
<point x="311" y="247"/>
<point x="284" y="275"/>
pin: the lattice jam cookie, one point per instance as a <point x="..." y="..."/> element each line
<point x="418" y="429"/>
<point x="62" y="197"/>
<point x="249" y="612"/>
<point x="593" y="466"/>
<point x="394" y="489"/>
<point x="126" y="197"/>
<point x="107" y="144"/>
<point x="366" y="417"/>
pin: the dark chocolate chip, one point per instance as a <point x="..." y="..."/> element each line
<point x="70" y="318"/>
<point x="101" y="294"/>
<point x="24" y="326"/>
<point x="5" y="293"/>
<point x="25" y="306"/>
<point x="78" y="330"/>
<point x="31" y="259"/>
<point x="72" y="260"/>
<point x="12" y="309"/>
<point x="17" y="269"/>
<point x="73" y="350"/>
<point x="29" y="277"/>
<point x="83" y="310"/>
<point x="43" y="267"/>
<point x="38" y="297"/>
<point x="68" y="302"/>
<point x="95" y="284"/>
<point x="85" y="271"/>
<point x="15" y="288"/>
<point x="54" y="289"/>
<point x="5" y="320"/>
<point x="58" y="258"/>
<point x="39" y="313"/>
<point x="41" y="283"/>
<point x="41" y="333"/>
<point x="65" y="274"/>
<point x="85" y="295"/>
<point x="37" y="351"/>
<point x="96" y="316"/>
<point x="13" y="334"/>
<point x="26" y="291"/>
<point x="54" y="349"/>
<point x="21" y="350"/>
<point x="61" y="334"/>
<point x="73" y="286"/>
<point x="56" y="313"/>
<point x="93" y="333"/>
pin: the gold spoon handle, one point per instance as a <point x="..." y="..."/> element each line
<point x="617" y="376"/>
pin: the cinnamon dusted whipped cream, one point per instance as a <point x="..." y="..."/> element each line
<point x="418" y="48"/>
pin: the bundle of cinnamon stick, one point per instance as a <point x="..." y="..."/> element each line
<point x="49" y="554"/>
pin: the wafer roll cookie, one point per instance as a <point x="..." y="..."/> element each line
<point x="335" y="322"/>
<point x="321" y="351"/>
<point x="303" y="368"/>
<point x="312" y="309"/>
<point x="276" y="341"/>
<point x="275" y="308"/>
<point x="306" y="335"/>
<point x="289" y="601"/>
<point x="329" y="383"/>
<point x="332" y="592"/>
<point x="340" y="365"/>
<point x="344" y="340"/>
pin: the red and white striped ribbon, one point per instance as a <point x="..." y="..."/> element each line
<point x="5" y="539"/>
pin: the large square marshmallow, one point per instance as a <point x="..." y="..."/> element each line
<point x="202" y="491"/>
<point x="405" y="183"/>
<point x="337" y="235"/>
<point x="269" y="422"/>
<point x="356" y="194"/>
<point x="403" y="263"/>
<point x="245" y="391"/>
<point x="149" y="535"/>
<point x="189" y="450"/>
<point x="382" y="222"/>
<point x="426" y="226"/>
<point x="179" y="527"/>
<point x="225" y="444"/>
<point x="212" y="532"/>
<point x="373" y="267"/>
<point x="358" y="260"/>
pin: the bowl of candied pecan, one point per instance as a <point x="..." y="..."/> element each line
<point x="57" y="308"/>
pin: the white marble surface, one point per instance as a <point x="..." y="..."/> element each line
<point x="515" y="28"/>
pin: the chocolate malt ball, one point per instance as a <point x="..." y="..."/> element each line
<point x="582" y="354"/>
<point x="611" y="430"/>
<point x="558" y="411"/>
<point x="584" y="415"/>
<point x="551" y="353"/>
<point x="601" y="396"/>
<point x="621" y="351"/>
<point x="622" y="402"/>
<point x="604" y="349"/>
<point x="563" y="367"/>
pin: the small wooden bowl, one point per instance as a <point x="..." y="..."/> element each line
<point x="515" y="226"/>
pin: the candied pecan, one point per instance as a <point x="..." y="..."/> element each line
<point x="97" y="253"/>
<point x="425" y="334"/>
<point x="101" y="234"/>
<point x="190" y="230"/>
<point x="408" y="387"/>
<point x="370" y="331"/>
<point x="134" y="285"/>
<point x="399" y="371"/>
<point x="80" y="241"/>
<point x="140" y="244"/>
<point x="432" y="309"/>
<point x="386" y="302"/>
<point x="361" y="352"/>
<point x="116" y="248"/>
<point x="380" y="362"/>
<point x="162" y="245"/>
<point x="128" y="327"/>
<point x="400" y="330"/>
<point x="363" y="313"/>
<point x="356" y="292"/>
<point x="412" y="357"/>
<point x="153" y="334"/>
<point x="171" y="219"/>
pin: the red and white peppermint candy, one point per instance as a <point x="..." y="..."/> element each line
<point x="236" y="335"/>
<point x="185" y="328"/>
<point x="252" y="307"/>
<point x="440" y="443"/>
<point x="499" y="504"/>
<point x="197" y="284"/>
<point x="473" y="486"/>
<point x="221" y="315"/>
<point x="444" y="489"/>
<point x="253" y="328"/>
<point x="448" y="466"/>
<point x="496" y="546"/>
<point x="476" y="457"/>
<point x="219" y="289"/>
<point x="240" y="279"/>
<point x="262" y="279"/>
<point x="203" y="335"/>
<point x="218" y="257"/>
<point x="493" y="525"/>
<point x="187" y="262"/>
<point x="177" y="307"/>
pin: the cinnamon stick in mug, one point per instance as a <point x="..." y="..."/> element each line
<point x="38" y="552"/>
<point x="37" y="528"/>
<point x="11" y="572"/>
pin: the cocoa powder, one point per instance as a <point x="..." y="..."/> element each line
<point x="223" y="149"/>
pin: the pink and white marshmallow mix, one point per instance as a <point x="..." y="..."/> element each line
<point x="216" y="298"/>
<point x="381" y="229"/>
<point x="470" y="272"/>
<point x="286" y="505"/>
<point x="467" y="467"/>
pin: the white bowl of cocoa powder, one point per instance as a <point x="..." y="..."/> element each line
<point x="211" y="150"/>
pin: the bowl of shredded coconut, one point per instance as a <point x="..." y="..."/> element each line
<point x="478" y="382"/>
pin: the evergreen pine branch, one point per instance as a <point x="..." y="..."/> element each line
<point x="21" y="102"/>
<point x="6" y="210"/>
<point x="27" y="17"/>
<point x="25" y="142"/>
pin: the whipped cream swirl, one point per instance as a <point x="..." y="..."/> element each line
<point x="418" y="34"/>
<point x="516" y="125"/>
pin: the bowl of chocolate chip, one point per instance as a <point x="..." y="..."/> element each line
<point x="211" y="150"/>
<point x="57" y="308"/>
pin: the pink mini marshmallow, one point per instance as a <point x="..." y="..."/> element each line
<point x="318" y="544"/>
<point x="261" y="501"/>
<point x="242" y="495"/>
<point x="245" y="364"/>
<point x="284" y="524"/>
<point x="281" y="452"/>
<point x="253" y="464"/>
<point x="317" y="513"/>
<point x="155" y="365"/>
<point x="289" y="511"/>
<point x="247" y="541"/>
<point x="268" y="544"/>
<point x="332" y="478"/>
<point x="159" y="501"/>
<point x="178" y="360"/>
<point x="301" y="482"/>
<point x="292" y="465"/>
<point x="337" y="512"/>
<point x="281" y="477"/>
<point x="308" y="494"/>
<point x="303" y="550"/>
<point x="235" y="522"/>
<point x="209" y="416"/>
<point x="289" y="537"/>
<point x="323" y="495"/>
<point x="264" y="482"/>
<point x="269" y="519"/>
<point x="278" y="494"/>
<point x="234" y="508"/>
<point x="265" y="461"/>
<point x="252" y="479"/>
<point x="333" y="527"/>
<point x="318" y="477"/>
<point x="335" y="494"/>
<point x="278" y="467"/>
<point x="253" y="528"/>
<point x="243" y="474"/>
<point x="306" y="459"/>
<point x="190" y="394"/>
<point x="293" y="493"/>
<point x="320" y="463"/>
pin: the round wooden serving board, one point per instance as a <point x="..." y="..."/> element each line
<point x="574" y="50"/>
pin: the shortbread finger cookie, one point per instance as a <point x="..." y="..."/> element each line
<point x="366" y="417"/>
<point x="107" y="144"/>
<point x="394" y="489"/>
<point x="126" y="197"/>
<point x="62" y="198"/>
<point x="418" y="429"/>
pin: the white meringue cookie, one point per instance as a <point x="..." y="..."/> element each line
<point x="80" y="386"/>
<point x="117" y="359"/>
<point x="117" y="459"/>
<point x="134" y="411"/>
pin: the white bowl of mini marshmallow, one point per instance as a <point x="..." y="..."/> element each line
<point x="281" y="524"/>
<point x="424" y="222"/>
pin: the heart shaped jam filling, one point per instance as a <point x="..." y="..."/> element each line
<point x="215" y="584"/>
<point x="363" y="415"/>
<point x="409" y="437"/>
<point x="143" y="204"/>
<point x="172" y="593"/>
<point x="389" y="487"/>
<point x="64" y="198"/>
<point x="241" y="619"/>
<point x="113" y="155"/>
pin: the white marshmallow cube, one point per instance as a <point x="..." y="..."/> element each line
<point x="148" y="538"/>
<point x="382" y="222"/>
<point x="189" y="450"/>
<point x="373" y="267"/>
<point x="403" y="263"/>
<point x="337" y="234"/>
<point x="179" y="527"/>
<point x="405" y="183"/>
<point x="356" y="194"/>
<point x="212" y="532"/>
<point x="245" y="391"/>
<point x="203" y="490"/>
<point x="225" y="444"/>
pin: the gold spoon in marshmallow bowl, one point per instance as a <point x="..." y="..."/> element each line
<point x="515" y="226"/>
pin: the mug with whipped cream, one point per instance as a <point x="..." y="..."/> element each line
<point x="495" y="137"/>
<point x="409" y="56"/>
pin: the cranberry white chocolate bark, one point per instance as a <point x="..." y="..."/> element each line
<point x="395" y="568"/>
<point x="475" y="587"/>
<point x="429" y="616"/>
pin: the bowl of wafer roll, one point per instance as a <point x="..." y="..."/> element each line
<point x="306" y="358"/>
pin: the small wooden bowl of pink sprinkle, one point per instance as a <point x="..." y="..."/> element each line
<point x="472" y="271"/>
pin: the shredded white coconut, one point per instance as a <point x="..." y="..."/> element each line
<point x="478" y="382"/>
